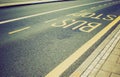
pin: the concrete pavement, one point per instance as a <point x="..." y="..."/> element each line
<point x="104" y="61"/>
<point x="111" y="67"/>
<point x="7" y="3"/>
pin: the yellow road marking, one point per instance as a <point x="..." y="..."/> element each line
<point x="70" y="14"/>
<point x="50" y="20"/>
<point x="100" y="6"/>
<point x="15" y="31"/>
<point x="71" y="24"/>
<point x="92" y="7"/>
<point x="83" y="10"/>
<point x="56" y="72"/>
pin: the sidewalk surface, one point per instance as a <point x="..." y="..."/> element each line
<point x="111" y="67"/>
<point x="14" y="1"/>
<point x="107" y="63"/>
<point x="104" y="61"/>
<point x="6" y="3"/>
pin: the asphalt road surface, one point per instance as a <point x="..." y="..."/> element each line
<point x="53" y="39"/>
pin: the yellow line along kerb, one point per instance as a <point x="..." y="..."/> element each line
<point x="56" y="72"/>
<point x="15" y="31"/>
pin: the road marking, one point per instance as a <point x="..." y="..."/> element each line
<point x="83" y="22"/>
<point x="50" y="20"/>
<point x="74" y="22"/>
<point x="100" y="6"/>
<point x="39" y="14"/>
<point x="56" y="72"/>
<point x="83" y="10"/>
<point x="19" y="30"/>
<point x="92" y="7"/>
<point x="105" y="4"/>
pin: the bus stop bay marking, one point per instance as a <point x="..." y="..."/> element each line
<point x="83" y="25"/>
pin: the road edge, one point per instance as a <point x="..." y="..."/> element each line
<point x="26" y="3"/>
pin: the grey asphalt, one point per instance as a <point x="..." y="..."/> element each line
<point x="36" y="51"/>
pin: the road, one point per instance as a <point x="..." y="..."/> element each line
<point x="53" y="39"/>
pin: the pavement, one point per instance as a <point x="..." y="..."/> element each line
<point x="111" y="67"/>
<point x="59" y="39"/>
<point x="106" y="63"/>
<point x="11" y="3"/>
